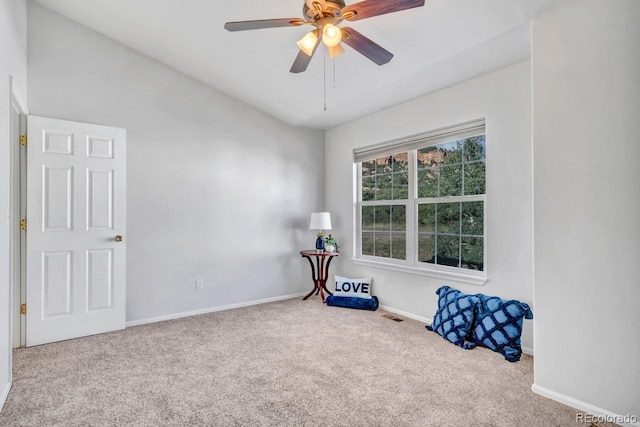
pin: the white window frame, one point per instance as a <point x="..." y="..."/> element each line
<point x="410" y="145"/>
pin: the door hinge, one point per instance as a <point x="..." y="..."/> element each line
<point x="23" y="140"/>
<point x="23" y="224"/>
<point x="23" y="309"/>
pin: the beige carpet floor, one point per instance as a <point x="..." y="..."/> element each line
<point x="289" y="363"/>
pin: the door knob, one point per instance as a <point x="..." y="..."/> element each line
<point x="118" y="238"/>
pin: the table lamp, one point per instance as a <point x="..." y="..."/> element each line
<point x="320" y="221"/>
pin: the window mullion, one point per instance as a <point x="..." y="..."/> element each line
<point x="462" y="170"/>
<point x="452" y="199"/>
<point x="435" y="236"/>
<point x="391" y="223"/>
<point x="460" y="233"/>
<point x="375" y="230"/>
<point x="484" y="233"/>
<point x="411" y="210"/>
<point x="358" y="211"/>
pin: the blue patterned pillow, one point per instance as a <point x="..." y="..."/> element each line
<point x="498" y="325"/>
<point x="454" y="316"/>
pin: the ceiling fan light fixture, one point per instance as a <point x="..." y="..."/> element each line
<point x="336" y="50"/>
<point x="325" y="16"/>
<point x="331" y="35"/>
<point x="308" y="43"/>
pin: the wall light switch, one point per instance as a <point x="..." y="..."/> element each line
<point x="199" y="284"/>
<point x="382" y="281"/>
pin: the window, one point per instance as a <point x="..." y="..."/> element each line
<point x="421" y="201"/>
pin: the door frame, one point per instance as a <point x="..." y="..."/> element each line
<point x="17" y="210"/>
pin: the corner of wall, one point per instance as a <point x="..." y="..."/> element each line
<point x="13" y="74"/>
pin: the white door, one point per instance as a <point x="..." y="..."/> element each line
<point x="76" y="213"/>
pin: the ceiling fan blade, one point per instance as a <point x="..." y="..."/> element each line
<point x="365" y="46"/>
<point x="302" y="61"/>
<point x="370" y="8"/>
<point x="263" y="23"/>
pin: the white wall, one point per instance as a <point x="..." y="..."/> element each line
<point x="504" y="98"/>
<point x="13" y="62"/>
<point x="216" y="189"/>
<point x="586" y="82"/>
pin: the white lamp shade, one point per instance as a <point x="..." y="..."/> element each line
<point x="307" y="44"/>
<point x="336" y="50"/>
<point x="331" y="35"/>
<point x="320" y="221"/>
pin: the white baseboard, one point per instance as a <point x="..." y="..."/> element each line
<point x="406" y="314"/>
<point x="527" y="350"/>
<point x="4" y="395"/>
<point x="585" y="407"/>
<point x="211" y="310"/>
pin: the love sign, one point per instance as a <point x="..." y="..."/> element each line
<point x="346" y="287"/>
<point x="352" y="287"/>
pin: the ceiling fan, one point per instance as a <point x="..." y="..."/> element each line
<point x="326" y="15"/>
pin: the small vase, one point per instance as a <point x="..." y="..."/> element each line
<point x="330" y="248"/>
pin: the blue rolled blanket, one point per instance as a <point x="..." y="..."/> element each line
<point x="353" y="302"/>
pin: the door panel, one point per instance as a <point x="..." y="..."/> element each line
<point x="57" y="195"/>
<point x="76" y="195"/>
<point x="56" y="284"/>
<point x="99" y="279"/>
<point x="100" y="200"/>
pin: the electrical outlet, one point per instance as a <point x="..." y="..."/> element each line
<point x="382" y="281"/>
<point x="199" y="284"/>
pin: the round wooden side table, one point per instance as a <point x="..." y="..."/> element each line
<point x="319" y="271"/>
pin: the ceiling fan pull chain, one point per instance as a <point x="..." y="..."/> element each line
<point x="334" y="71"/>
<point x="324" y="75"/>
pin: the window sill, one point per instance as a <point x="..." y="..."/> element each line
<point x="457" y="277"/>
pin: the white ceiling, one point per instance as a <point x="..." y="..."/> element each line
<point x="442" y="43"/>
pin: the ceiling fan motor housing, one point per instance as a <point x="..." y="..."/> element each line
<point x="331" y="9"/>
